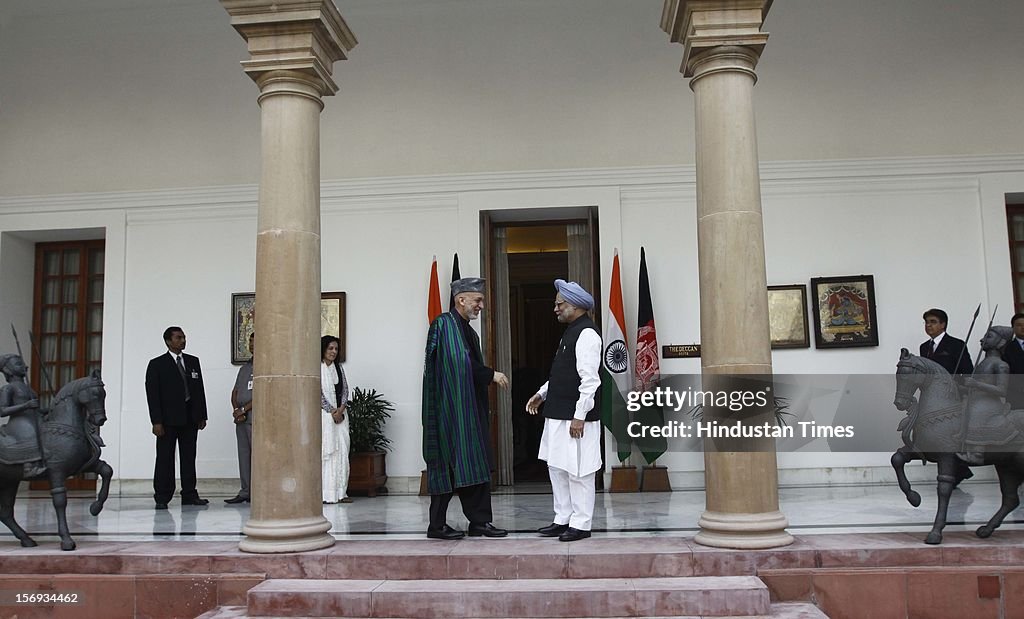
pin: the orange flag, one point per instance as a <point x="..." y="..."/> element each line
<point x="434" y="300"/>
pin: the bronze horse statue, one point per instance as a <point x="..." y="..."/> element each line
<point x="934" y="429"/>
<point x="70" y="444"/>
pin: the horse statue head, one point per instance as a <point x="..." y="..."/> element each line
<point x="915" y="373"/>
<point x="84" y="393"/>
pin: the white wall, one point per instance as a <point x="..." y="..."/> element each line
<point x="18" y="257"/>
<point x="111" y="95"/>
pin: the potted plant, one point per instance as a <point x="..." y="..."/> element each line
<point x="367" y="412"/>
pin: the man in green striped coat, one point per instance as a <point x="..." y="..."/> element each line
<point x="456" y="428"/>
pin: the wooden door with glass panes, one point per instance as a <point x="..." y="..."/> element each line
<point x="67" y="322"/>
<point x="1015" y="227"/>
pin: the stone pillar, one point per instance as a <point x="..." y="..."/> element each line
<point x="293" y="45"/>
<point x="722" y="43"/>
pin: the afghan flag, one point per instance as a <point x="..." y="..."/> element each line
<point x="434" y="295"/>
<point x="455" y="276"/>
<point x="648" y="368"/>
<point x="615" y="373"/>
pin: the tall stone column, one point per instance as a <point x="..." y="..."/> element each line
<point x="293" y="46"/>
<point x="722" y="42"/>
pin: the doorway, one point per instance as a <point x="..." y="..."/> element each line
<point x="523" y="258"/>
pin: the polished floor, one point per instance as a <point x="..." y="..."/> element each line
<point x="869" y="508"/>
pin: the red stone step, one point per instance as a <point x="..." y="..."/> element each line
<point x="726" y="596"/>
<point x="786" y="610"/>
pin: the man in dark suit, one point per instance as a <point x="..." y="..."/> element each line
<point x="1013" y="355"/>
<point x="943" y="348"/>
<point x="177" y="409"/>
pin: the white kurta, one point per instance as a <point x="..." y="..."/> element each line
<point x="581" y="456"/>
<point x="335" y="441"/>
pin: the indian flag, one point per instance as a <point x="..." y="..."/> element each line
<point x="616" y="375"/>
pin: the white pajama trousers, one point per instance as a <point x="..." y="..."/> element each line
<point x="573" y="498"/>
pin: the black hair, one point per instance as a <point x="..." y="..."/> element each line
<point x="325" y="341"/>
<point x="941" y="315"/>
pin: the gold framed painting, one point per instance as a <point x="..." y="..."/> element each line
<point x="332" y="319"/>
<point x="787" y="316"/>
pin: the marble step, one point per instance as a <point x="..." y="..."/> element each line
<point x="785" y="610"/>
<point x="694" y="596"/>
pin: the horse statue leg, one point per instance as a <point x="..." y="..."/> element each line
<point x="8" y="492"/>
<point x="1010" y="477"/>
<point x="947" y="481"/>
<point x="59" y="494"/>
<point x="102" y="469"/>
<point x="899" y="460"/>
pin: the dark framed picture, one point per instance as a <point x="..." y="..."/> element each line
<point x="844" y="311"/>
<point x="332" y="318"/>
<point x="787" y="316"/>
<point x="243" y="321"/>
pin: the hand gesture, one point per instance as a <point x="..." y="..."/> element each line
<point x="501" y="380"/>
<point x="533" y="406"/>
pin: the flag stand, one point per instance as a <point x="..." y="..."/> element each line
<point x="654" y="478"/>
<point x="624" y="479"/>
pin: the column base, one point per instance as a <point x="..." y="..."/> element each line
<point x="743" y="531"/>
<point x="294" y="535"/>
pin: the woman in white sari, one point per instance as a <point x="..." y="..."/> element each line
<point x="334" y="423"/>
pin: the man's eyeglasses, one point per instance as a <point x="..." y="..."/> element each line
<point x="559" y="304"/>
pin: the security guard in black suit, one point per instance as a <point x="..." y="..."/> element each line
<point x="943" y="348"/>
<point x="1013" y="355"/>
<point x="177" y="409"/>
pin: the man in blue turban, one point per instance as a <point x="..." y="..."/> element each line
<point x="571" y="442"/>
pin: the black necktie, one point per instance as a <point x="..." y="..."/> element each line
<point x="184" y="378"/>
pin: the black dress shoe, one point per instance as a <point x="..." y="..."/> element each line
<point x="195" y="501"/>
<point x="571" y="535"/>
<point x="445" y="532"/>
<point x="487" y="530"/>
<point x="553" y="530"/>
<point x="161" y="506"/>
<point x="236" y="500"/>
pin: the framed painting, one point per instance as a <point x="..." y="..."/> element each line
<point x="787" y="316"/>
<point x="844" y="311"/>
<point x="243" y="321"/>
<point x="332" y="318"/>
